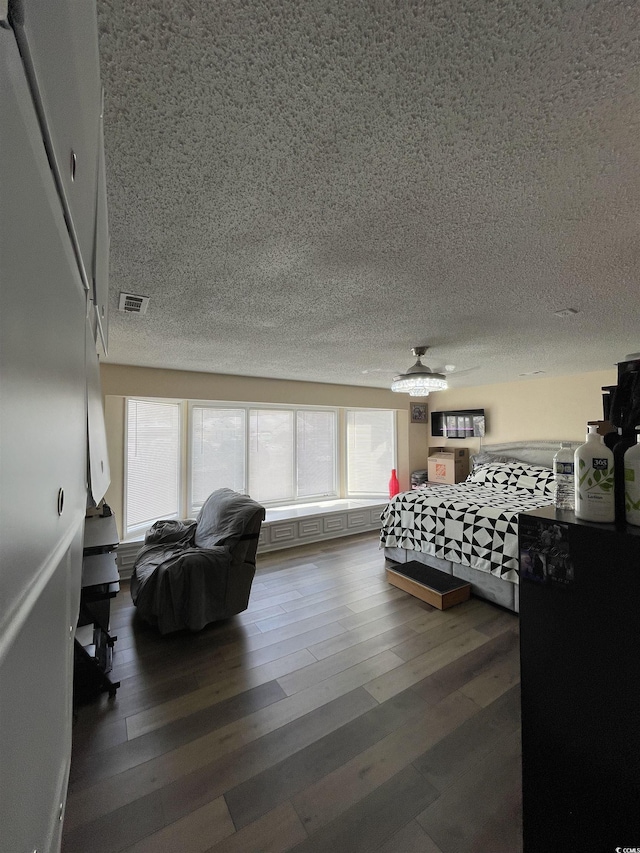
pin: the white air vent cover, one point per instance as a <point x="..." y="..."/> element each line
<point x="130" y="303"/>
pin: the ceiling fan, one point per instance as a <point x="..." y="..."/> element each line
<point x="419" y="380"/>
<point x="446" y="370"/>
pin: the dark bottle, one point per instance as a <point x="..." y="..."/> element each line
<point x="626" y="439"/>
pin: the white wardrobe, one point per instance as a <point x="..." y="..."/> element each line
<point x="53" y="319"/>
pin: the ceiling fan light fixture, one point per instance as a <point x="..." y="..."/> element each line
<point x="419" y="379"/>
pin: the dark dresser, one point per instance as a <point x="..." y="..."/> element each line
<point x="580" y="677"/>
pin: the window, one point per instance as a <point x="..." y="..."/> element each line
<point x="370" y="451"/>
<point x="316" y="448"/>
<point x="292" y="454"/>
<point x="217" y="452"/>
<point x="277" y="454"/>
<point x="271" y="455"/>
<point x="152" y="481"/>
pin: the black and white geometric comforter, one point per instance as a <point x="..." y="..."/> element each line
<point x="476" y="525"/>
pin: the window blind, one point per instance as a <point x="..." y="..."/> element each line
<point x="316" y="453"/>
<point x="153" y="462"/>
<point x="370" y="451"/>
<point x="217" y="452"/>
<point x="271" y="454"/>
<point x="277" y="455"/>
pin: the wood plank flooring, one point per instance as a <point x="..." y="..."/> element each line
<point x="336" y="714"/>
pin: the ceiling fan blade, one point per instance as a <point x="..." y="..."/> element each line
<point x="464" y="370"/>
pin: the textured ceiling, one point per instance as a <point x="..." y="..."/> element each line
<point x="307" y="189"/>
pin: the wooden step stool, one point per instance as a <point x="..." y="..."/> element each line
<point x="428" y="584"/>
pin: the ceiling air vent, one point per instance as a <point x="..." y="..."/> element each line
<point x="130" y="303"/>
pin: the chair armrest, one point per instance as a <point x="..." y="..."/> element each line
<point x="167" y="531"/>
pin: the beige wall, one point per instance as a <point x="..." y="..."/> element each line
<point x="126" y="381"/>
<point x="548" y="408"/>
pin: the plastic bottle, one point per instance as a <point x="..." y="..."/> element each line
<point x="563" y="474"/>
<point x="594" y="479"/>
<point x="394" y="485"/>
<point x="626" y="439"/>
<point x="632" y="482"/>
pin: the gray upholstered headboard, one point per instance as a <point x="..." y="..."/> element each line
<point x="533" y="452"/>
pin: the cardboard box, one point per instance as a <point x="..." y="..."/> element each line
<point x="448" y="464"/>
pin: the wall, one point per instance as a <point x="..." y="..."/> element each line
<point x="548" y="408"/>
<point x="130" y="381"/>
<point x="119" y="381"/>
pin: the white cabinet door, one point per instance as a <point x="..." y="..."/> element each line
<point x="101" y="254"/>
<point x="43" y="428"/>
<point x="36" y="674"/>
<point x="59" y="44"/>
<point x="42" y="350"/>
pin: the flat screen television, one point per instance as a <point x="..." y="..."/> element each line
<point x="461" y="423"/>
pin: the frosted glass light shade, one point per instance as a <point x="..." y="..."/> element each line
<point x="419" y="384"/>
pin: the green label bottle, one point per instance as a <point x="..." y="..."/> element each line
<point x="632" y="483"/>
<point x="594" y="479"/>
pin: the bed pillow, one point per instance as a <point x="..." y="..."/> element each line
<point x="535" y="478"/>
<point x="492" y="474"/>
<point x="515" y="475"/>
<point x="484" y="458"/>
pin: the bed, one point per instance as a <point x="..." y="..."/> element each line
<point x="470" y="529"/>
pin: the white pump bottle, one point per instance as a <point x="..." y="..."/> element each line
<point x="594" y="479"/>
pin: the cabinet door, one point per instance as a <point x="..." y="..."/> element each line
<point x="579" y="643"/>
<point x="42" y="352"/>
<point x="101" y="254"/>
<point x="42" y="473"/>
<point x="36" y="673"/>
<point x="59" y="43"/>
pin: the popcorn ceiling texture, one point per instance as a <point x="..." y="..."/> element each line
<point x="306" y="190"/>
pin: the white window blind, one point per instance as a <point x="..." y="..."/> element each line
<point x="217" y="452"/>
<point x="277" y="455"/>
<point x="153" y="462"/>
<point x="271" y="454"/>
<point x="316" y="453"/>
<point x="370" y="451"/>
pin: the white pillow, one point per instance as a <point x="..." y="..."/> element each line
<point x="515" y="475"/>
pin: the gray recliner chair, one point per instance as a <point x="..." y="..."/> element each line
<point x="191" y="573"/>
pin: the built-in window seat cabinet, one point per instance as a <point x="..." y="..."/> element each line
<point x="285" y="527"/>
<point x="298" y="524"/>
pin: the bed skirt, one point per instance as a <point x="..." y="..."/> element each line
<point x="483" y="584"/>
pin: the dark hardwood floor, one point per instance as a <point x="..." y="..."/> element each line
<point x="337" y="714"/>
